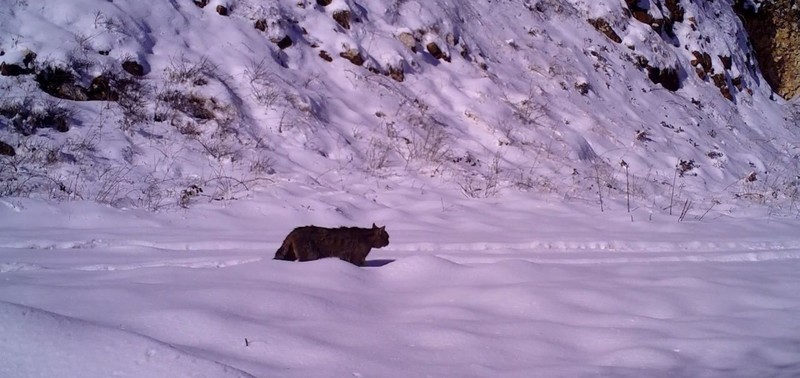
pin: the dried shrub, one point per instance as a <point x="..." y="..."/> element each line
<point x="191" y="104"/>
<point x="60" y="82"/>
<point x="27" y="117"/>
<point x="182" y="70"/>
<point x="685" y="167"/>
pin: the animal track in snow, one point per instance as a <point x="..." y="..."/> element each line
<point x="613" y="252"/>
<point x="191" y="263"/>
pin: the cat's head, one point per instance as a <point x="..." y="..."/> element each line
<point x="380" y="238"/>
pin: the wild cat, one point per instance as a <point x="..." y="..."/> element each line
<point x="351" y="244"/>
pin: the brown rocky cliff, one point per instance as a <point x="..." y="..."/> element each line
<point x="774" y="30"/>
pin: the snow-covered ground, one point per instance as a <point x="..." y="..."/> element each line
<point x="466" y="288"/>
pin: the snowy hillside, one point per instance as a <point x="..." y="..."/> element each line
<point x="571" y="189"/>
<point x="554" y="98"/>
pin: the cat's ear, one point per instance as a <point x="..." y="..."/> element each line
<point x="374" y="226"/>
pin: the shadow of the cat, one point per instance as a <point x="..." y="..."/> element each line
<point x="377" y="263"/>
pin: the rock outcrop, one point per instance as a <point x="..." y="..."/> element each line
<point x="774" y="29"/>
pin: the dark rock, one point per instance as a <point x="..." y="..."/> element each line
<point x="603" y="26"/>
<point x="436" y="52"/>
<point x="285" y="43"/>
<point x="642" y="62"/>
<point x="60" y="125"/>
<point x="261" y="24"/>
<point x="397" y="73"/>
<point x="737" y="82"/>
<point x="727" y="63"/>
<point x="353" y="56"/>
<point x="324" y="3"/>
<point x="667" y="77"/>
<point x="774" y="31"/>
<point x="201" y="3"/>
<point x="6" y="149"/>
<point x="702" y="64"/>
<point x="325" y="56"/>
<point x="222" y="10"/>
<point x="28" y="60"/>
<point x="704" y="60"/>
<point x="101" y="90"/>
<point x="676" y="11"/>
<point x="701" y="73"/>
<point x="721" y="81"/>
<point x="133" y="68"/>
<point x="408" y="40"/>
<point x="342" y="17"/>
<point x="640" y="10"/>
<point x="13" y="70"/>
<point x="60" y="83"/>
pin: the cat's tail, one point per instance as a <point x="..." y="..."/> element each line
<point x="285" y="252"/>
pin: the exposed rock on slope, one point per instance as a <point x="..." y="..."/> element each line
<point x="774" y="29"/>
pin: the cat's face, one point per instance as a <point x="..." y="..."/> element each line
<point x="380" y="236"/>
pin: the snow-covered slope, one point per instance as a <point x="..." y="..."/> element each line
<point x="30" y="333"/>
<point x="523" y="96"/>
